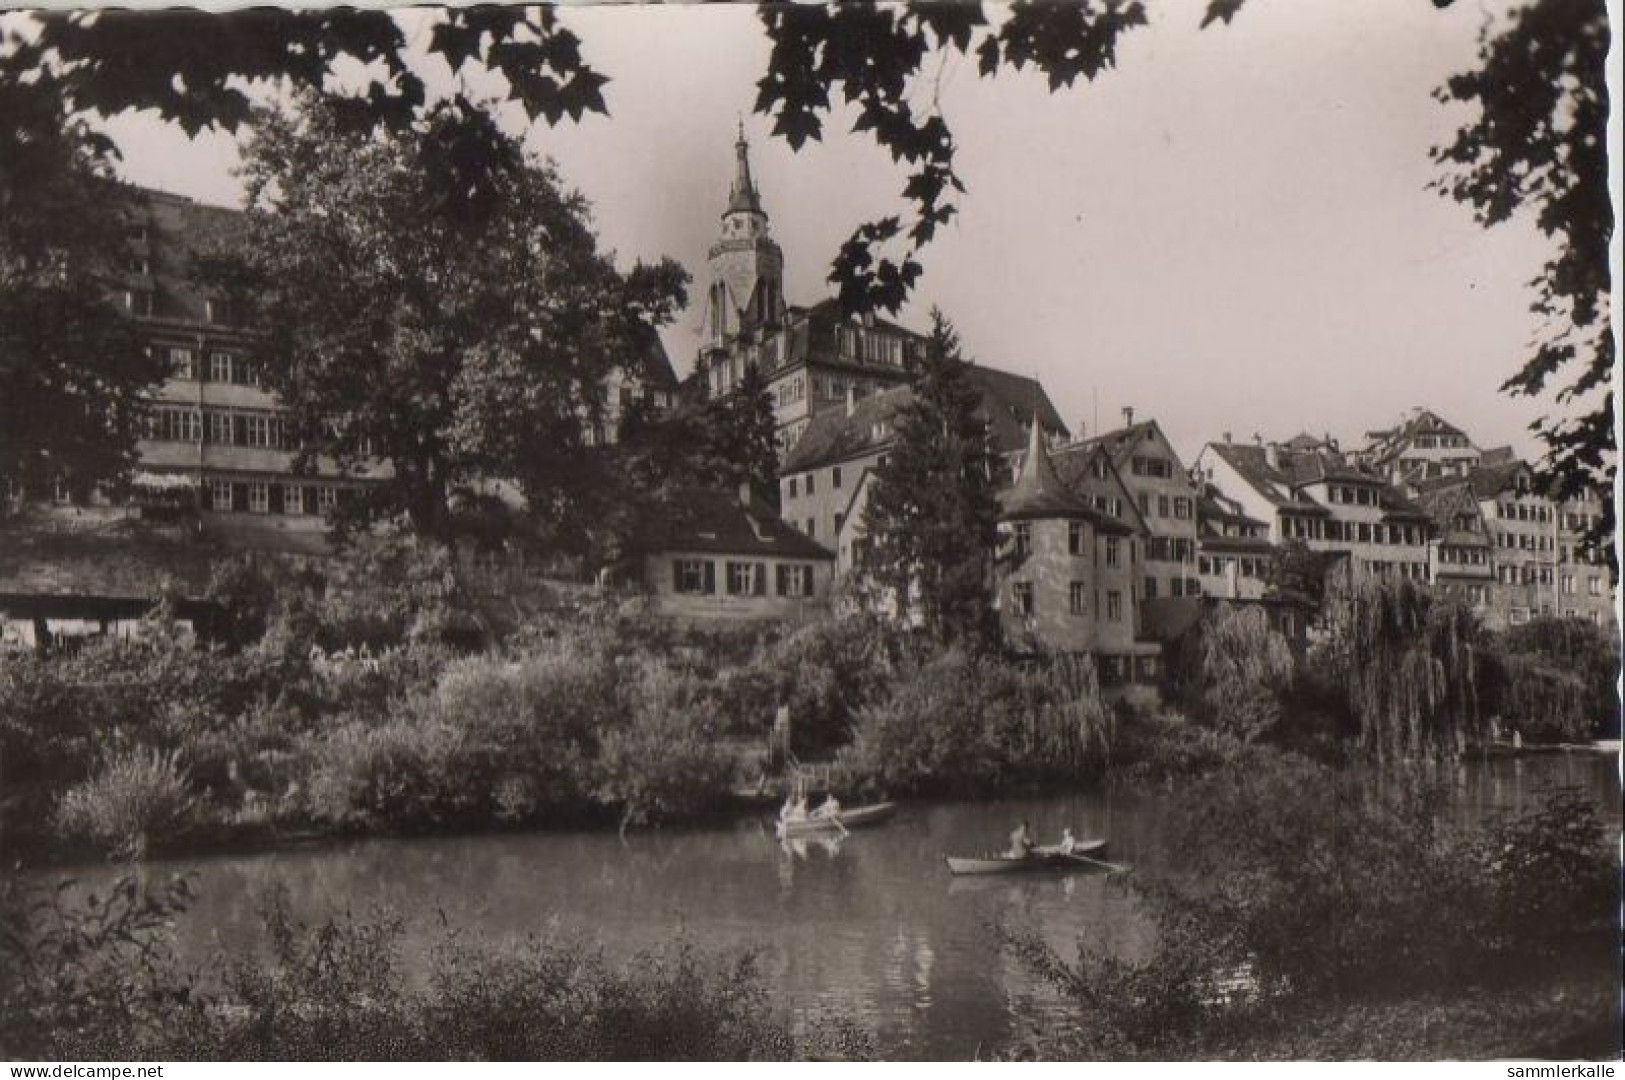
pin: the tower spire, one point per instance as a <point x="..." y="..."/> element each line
<point x="742" y="194"/>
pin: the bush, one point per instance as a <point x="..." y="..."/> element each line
<point x="956" y="721"/>
<point x="97" y="979"/>
<point x="137" y="795"/>
<point x="665" y="759"/>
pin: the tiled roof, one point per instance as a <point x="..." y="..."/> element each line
<point x="716" y="522"/>
<point x="1007" y="406"/>
<point x="1489" y="480"/>
<point x="833" y="436"/>
<point x="652" y="362"/>
<point x="1251" y="463"/>
<point x="1072" y="463"/>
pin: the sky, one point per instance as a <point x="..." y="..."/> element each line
<point x="1230" y="232"/>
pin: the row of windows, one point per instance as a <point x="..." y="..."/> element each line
<point x="222" y="366"/>
<point x="1464" y="556"/>
<point x="1025" y="604"/>
<point x="1176" y="587"/>
<point x="1523" y="542"/>
<point x="1440" y="442"/>
<point x="1411" y="571"/>
<point x="1159" y="467"/>
<point x="1179" y="507"/>
<point x="1077" y="543"/>
<point x="699" y="577"/>
<point x="262" y="497"/>
<point x="1520" y="511"/>
<point x="1170" y="549"/>
<point x="1518" y="616"/>
<point x="870" y="346"/>
<point x="1339" y="494"/>
<point x="1248" y="566"/>
<point x="217" y="427"/>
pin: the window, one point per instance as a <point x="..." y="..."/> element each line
<point x="1568" y="584"/>
<point x="1176" y="586"/>
<point x="1594" y="586"/>
<point x="256" y="428"/>
<point x="1150" y="588"/>
<point x="693" y="576"/>
<point x="182" y="363"/>
<point x="812" y="528"/>
<point x="220" y="425"/>
<point x="220" y="367"/>
<point x="810" y="485"/>
<point x="1162" y="506"/>
<point x="1075" y="538"/>
<point x="835" y="477"/>
<point x="1024" y="538"/>
<point x="138" y="302"/>
<point x="1182" y="507"/>
<point x="1022" y="593"/>
<point x="1113" y="551"/>
<point x="293" y="499"/>
<point x="219" y="495"/>
<point x="259" y="498"/>
<point x="792" y="487"/>
<point x="746" y="579"/>
<point x="1114" y="605"/>
<point x="795" y="580"/>
<point x="1075" y="601"/>
<point x="327" y="499"/>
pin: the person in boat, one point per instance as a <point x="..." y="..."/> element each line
<point x="1068" y="843"/>
<point x="1021" y="842"/>
<point x="829" y="808"/>
<point x="794" y="809"/>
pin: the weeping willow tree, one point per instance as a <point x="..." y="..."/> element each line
<point x="1065" y="723"/>
<point x="1412" y="664"/>
<point x="1556" y="680"/>
<point x="1235" y="669"/>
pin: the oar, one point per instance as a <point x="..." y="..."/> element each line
<point x="1113" y="867"/>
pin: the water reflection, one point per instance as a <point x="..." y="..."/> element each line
<point x="869" y="927"/>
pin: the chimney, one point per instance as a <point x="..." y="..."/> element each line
<point x="851" y="398"/>
<point x="1083" y="431"/>
<point x="1128" y="415"/>
<point x="1227" y="439"/>
<point x="1272" y="455"/>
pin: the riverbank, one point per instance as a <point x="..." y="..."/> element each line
<point x="872" y="936"/>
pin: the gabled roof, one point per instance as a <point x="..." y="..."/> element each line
<point x="1120" y="443"/>
<point x="1009" y="402"/>
<point x="1488" y="481"/>
<point x="1073" y="463"/>
<point x="651" y="362"/>
<point x="1276" y="484"/>
<point x="180" y="231"/>
<point x="716" y="522"/>
<point x="1420" y="421"/>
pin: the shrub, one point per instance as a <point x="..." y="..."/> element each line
<point x="664" y="759"/>
<point x="137" y="795"/>
<point x="94" y="978"/>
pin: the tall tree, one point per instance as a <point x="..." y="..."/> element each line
<point x="1539" y="141"/>
<point x="432" y="298"/>
<point x="71" y="372"/>
<point x="932" y="519"/>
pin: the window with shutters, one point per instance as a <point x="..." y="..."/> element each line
<point x="259" y="498"/>
<point x="1075" y="539"/>
<point x="691" y="575"/>
<point x="293" y="499"/>
<point x="1022" y="593"/>
<point x="1024" y="538"/>
<point x="1075" y="599"/>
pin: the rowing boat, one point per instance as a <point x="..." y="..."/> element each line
<point x="854" y="818"/>
<point x="1043" y="858"/>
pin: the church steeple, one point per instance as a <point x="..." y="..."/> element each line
<point x="747" y="267"/>
<point x="742" y="196"/>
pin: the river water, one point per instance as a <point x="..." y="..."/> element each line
<point x="871" y="929"/>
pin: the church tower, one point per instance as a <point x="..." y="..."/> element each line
<point x="746" y="289"/>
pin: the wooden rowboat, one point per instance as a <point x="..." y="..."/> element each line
<point x="857" y="817"/>
<point x="1083" y="855"/>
